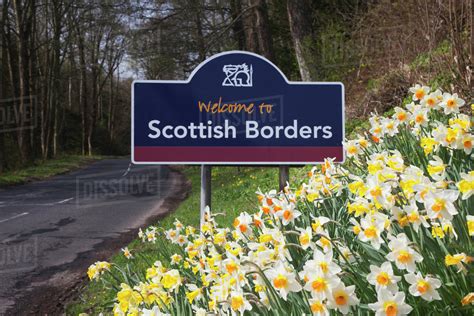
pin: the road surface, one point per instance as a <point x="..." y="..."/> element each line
<point x="50" y="231"/>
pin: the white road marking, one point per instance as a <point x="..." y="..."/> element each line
<point x="38" y="204"/>
<point x="13" y="217"/>
<point x="128" y="170"/>
<point x="64" y="201"/>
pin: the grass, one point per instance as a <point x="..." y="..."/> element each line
<point x="233" y="191"/>
<point x="44" y="169"/>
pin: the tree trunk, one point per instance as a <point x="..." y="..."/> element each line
<point x="21" y="41"/>
<point x="83" y="92"/>
<point x="238" y="26"/>
<point x="199" y="33"/>
<point x="3" y="86"/>
<point x="300" y="27"/>
<point x="257" y="29"/>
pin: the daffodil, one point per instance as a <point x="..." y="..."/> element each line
<point x="171" y="280"/>
<point x="469" y="298"/>
<point x="401" y="115"/>
<point x="97" y="269"/>
<point x="451" y="103"/>
<point x="371" y="229"/>
<point x="176" y="259"/>
<point x="402" y="254"/>
<point x="288" y="213"/>
<point x="318" y="307"/>
<point x="154" y="311"/>
<point x="127" y="253"/>
<point x="431" y="100"/>
<point x="470" y="224"/>
<point x="283" y="280"/>
<point x="457" y="260"/>
<point x="342" y="298"/>
<point x="194" y="292"/>
<point x="242" y="223"/>
<point x="437" y="168"/>
<point x="426" y="287"/>
<point x="414" y="217"/>
<point x="318" y="223"/>
<point x="352" y="148"/>
<point x="390" y="304"/>
<point x="440" y="204"/>
<point x="238" y="303"/>
<point x="383" y="278"/>
<point x="420" y="117"/>
<point x="419" y="92"/>
<point x="305" y="237"/>
<point x="466" y="185"/>
<point x="128" y="298"/>
<point x="320" y="284"/>
<point x="429" y="144"/>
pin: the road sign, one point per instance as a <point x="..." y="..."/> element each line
<point x="237" y="108"/>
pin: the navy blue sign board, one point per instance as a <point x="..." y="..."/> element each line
<point x="237" y="108"/>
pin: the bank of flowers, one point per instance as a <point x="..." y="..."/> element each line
<point x="390" y="232"/>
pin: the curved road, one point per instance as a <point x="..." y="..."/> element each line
<point x="50" y="231"/>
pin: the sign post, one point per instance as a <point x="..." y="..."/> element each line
<point x="206" y="176"/>
<point x="236" y="108"/>
<point x="283" y="176"/>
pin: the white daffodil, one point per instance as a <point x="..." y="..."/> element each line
<point x="325" y="242"/>
<point x="466" y="142"/>
<point x="342" y="298"/>
<point x="390" y="304"/>
<point x="305" y="237"/>
<point x="383" y="278"/>
<point x="377" y="190"/>
<point x="440" y="204"/>
<point x="242" y="223"/>
<point x="238" y="303"/>
<point x="466" y="185"/>
<point x="320" y="284"/>
<point x="437" y="168"/>
<point x="318" y="307"/>
<point x="318" y="224"/>
<point x="154" y="311"/>
<point x="283" y="280"/>
<point x="390" y="127"/>
<point x="426" y="287"/>
<point x="402" y="254"/>
<point x="175" y="259"/>
<point x="401" y="115"/>
<point x="420" y="117"/>
<point x="451" y="103"/>
<point x="288" y="213"/>
<point x="419" y="92"/>
<point x="414" y="217"/>
<point x="432" y="100"/>
<point x="422" y="188"/>
<point x="352" y="148"/>
<point x="321" y="262"/>
<point x="372" y="227"/>
<point x="127" y="253"/>
<point x="199" y="311"/>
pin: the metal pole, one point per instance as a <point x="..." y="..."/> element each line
<point x="284" y="176"/>
<point x="205" y="190"/>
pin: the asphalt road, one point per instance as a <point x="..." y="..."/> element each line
<point x="45" y="226"/>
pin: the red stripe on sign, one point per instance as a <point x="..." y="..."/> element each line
<point x="236" y="154"/>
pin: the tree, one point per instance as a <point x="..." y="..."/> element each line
<point x="301" y="31"/>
